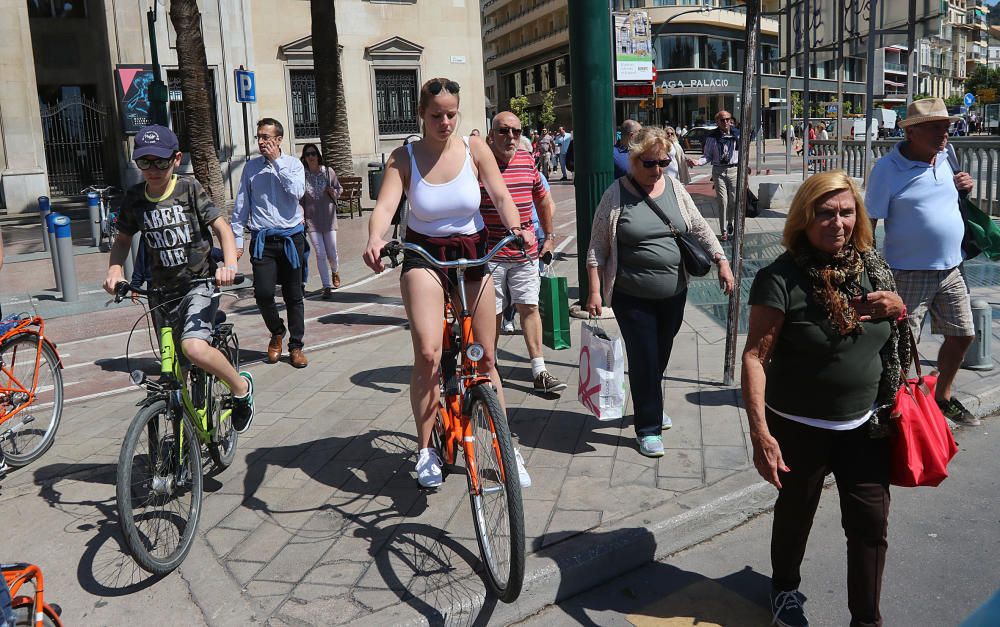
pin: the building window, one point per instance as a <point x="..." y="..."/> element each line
<point x="305" y="116"/>
<point x="678" y="51"/>
<point x="530" y="86"/>
<point x="562" y="71"/>
<point x="178" y="118"/>
<point x="716" y="53"/>
<point x="396" y="101"/>
<point x="57" y="8"/>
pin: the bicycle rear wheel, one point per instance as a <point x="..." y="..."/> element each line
<point x="497" y="509"/>
<point x="30" y="432"/>
<point x="159" y="488"/>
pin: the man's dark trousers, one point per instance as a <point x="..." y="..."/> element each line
<point x="274" y="268"/>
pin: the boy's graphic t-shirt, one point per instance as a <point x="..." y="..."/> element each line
<point x="175" y="230"/>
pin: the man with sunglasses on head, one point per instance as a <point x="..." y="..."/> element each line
<point x="722" y="150"/>
<point x="176" y="219"/>
<point x="515" y="273"/>
<point x="268" y="203"/>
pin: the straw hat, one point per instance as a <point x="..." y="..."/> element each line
<point x="926" y="110"/>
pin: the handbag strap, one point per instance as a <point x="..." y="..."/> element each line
<point x="914" y="355"/>
<point x="649" y="201"/>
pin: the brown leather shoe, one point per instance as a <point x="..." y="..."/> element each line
<point x="336" y="280"/>
<point x="274" y="349"/>
<point x="297" y="358"/>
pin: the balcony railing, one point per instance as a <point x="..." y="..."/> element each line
<point x="503" y="52"/>
<point x="895" y="67"/>
<point x="516" y="16"/>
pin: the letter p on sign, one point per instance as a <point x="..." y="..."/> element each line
<point x="246" y="87"/>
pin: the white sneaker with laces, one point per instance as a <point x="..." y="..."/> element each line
<point x="522" y="472"/>
<point x="667" y="422"/>
<point x="429" y="465"/>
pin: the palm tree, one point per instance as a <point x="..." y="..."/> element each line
<point x="197" y="90"/>
<point x="335" y="138"/>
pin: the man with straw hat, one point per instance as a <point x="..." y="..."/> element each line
<point x="916" y="191"/>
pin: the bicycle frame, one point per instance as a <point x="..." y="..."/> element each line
<point x="170" y="366"/>
<point x="16" y="575"/>
<point x="24" y="326"/>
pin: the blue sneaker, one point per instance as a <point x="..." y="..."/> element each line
<point x="651" y="445"/>
<point x="242" y="414"/>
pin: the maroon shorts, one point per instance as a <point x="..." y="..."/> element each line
<point x="447" y="248"/>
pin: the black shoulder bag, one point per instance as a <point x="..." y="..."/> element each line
<point x="696" y="260"/>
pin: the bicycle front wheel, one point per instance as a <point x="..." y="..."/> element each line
<point x="36" y="404"/>
<point x="497" y="509"/>
<point x="159" y="488"/>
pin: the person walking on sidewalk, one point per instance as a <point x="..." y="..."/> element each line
<point x="916" y="192"/>
<point x="821" y="367"/>
<point x="176" y="219"/>
<point x="562" y="141"/>
<point x="634" y="253"/>
<point x="628" y="129"/>
<point x="678" y="168"/>
<point x="268" y="204"/>
<point x="515" y="274"/>
<point x="722" y="150"/>
<point x="441" y="174"/>
<point x="319" y="208"/>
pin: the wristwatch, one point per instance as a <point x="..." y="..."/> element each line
<point x="550" y="236"/>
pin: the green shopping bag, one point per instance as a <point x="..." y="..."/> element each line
<point x="982" y="234"/>
<point x="553" y="305"/>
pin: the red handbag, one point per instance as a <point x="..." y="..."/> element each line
<point x="922" y="444"/>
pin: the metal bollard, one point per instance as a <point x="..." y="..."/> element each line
<point x="53" y="249"/>
<point x="93" y="210"/>
<point x="67" y="266"/>
<point x="979" y="356"/>
<point x="44" y="209"/>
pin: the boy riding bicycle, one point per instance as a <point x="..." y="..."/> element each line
<point x="174" y="216"/>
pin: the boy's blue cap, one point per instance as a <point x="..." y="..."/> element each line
<point x="155" y="141"/>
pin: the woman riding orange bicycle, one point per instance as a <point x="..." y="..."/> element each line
<point x="441" y="174"/>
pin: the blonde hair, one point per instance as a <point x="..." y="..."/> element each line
<point x="811" y="195"/>
<point x="647" y="138"/>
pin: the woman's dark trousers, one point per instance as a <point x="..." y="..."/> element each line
<point x="860" y="465"/>
<point x="274" y="268"/>
<point x="648" y="328"/>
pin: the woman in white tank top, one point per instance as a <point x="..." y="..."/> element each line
<point x="441" y="174"/>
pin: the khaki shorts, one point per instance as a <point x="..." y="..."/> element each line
<point x="515" y="282"/>
<point x="943" y="293"/>
<point x="192" y="315"/>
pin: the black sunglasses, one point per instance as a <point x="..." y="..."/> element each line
<point x="652" y="163"/>
<point x="161" y="164"/>
<point x="310" y="154"/>
<point x="436" y="87"/>
<point x="515" y="132"/>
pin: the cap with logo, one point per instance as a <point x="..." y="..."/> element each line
<point x="155" y="141"/>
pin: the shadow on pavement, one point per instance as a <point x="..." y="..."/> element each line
<point x="565" y="431"/>
<point x="376" y="378"/>
<point x="714" y="398"/>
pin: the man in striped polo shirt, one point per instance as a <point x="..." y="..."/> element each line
<point x="514" y="274"/>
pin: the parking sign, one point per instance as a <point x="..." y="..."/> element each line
<point x="246" y="86"/>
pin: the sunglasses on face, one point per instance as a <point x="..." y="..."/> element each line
<point x="161" y="164"/>
<point x="652" y="163"/>
<point x="436" y="87"/>
<point x="725" y="119"/>
<point x="513" y="132"/>
<point x="311" y="154"/>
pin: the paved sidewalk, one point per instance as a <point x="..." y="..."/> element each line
<point x="319" y="520"/>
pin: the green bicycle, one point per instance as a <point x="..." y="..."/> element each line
<point x="159" y="482"/>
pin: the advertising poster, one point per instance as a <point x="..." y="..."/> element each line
<point x="633" y="48"/>
<point x="132" y="86"/>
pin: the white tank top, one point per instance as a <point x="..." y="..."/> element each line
<point x="443" y="209"/>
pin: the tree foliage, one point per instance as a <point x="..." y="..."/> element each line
<point x="519" y="106"/>
<point x="548" y="114"/>
<point x="983" y="77"/>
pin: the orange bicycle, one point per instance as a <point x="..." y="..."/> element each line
<point x="31" y="389"/>
<point x="29" y="610"/>
<point x="470" y="419"/>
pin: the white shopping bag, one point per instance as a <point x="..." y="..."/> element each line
<point x="602" y="373"/>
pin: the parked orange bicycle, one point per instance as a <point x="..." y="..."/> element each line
<point x="470" y="419"/>
<point x="31" y="389"/>
<point x="29" y="610"/>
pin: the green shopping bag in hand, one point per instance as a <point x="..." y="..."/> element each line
<point x="553" y="305"/>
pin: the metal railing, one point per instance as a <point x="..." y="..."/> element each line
<point x="979" y="157"/>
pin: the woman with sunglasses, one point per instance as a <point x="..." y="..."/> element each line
<point x="319" y="208"/>
<point x="441" y="174"/>
<point x="678" y="168"/>
<point x="634" y="253"/>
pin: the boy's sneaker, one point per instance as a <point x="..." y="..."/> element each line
<point x="429" y="473"/>
<point x="522" y="472"/>
<point x="956" y="412"/>
<point x="786" y="608"/>
<point x="651" y="445"/>
<point x="547" y="384"/>
<point x="242" y="414"/>
<point x="667" y="422"/>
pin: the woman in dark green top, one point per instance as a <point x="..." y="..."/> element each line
<point x="820" y="370"/>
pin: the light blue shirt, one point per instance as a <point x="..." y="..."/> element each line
<point x="269" y="195"/>
<point x="919" y="203"/>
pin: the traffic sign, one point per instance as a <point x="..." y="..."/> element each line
<point x="969" y="100"/>
<point x="246" y="86"/>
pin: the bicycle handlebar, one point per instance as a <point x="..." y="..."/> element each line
<point x="108" y="189"/>
<point x="394" y="248"/>
<point x="122" y="288"/>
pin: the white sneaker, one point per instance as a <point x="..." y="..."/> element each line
<point x="667" y="422"/>
<point x="429" y="465"/>
<point x="522" y="472"/>
<point x="508" y="326"/>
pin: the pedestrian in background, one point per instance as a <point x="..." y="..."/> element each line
<point x="626" y="132"/>
<point x="546" y="149"/>
<point x="722" y="151"/>
<point x="678" y="168"/>
<point x="267" y="203"/>
<point x="562" y="141"/>
<point x="916" y="192"/>
<point x="319" y="209"/>
<point x="634" y="254"/>
<point x="821" y="368"/>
